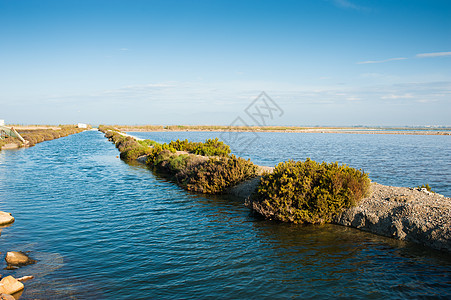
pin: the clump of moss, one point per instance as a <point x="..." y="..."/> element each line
<point x="308" y="192"/>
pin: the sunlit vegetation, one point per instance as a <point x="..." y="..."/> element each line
<point x="309" y="192"/>
<point x="217" y="174"/>
<point x="35" y="136"/>
<point x="426" y="186"/>
<point x="9" y="140"/>
<point x="211" y="147"/>
<point x="200" y="167"/>
<point x="299" y="192"/>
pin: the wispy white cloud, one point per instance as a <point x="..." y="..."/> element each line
<point x="123" y="49"/>
<point x="426" y="100"/>
<point x="394" y="96"/>
<point x="353" y="98"/>
<point x="433" y="54"/>
<point x="381" y="61"/>
<point x="420" y="55"/>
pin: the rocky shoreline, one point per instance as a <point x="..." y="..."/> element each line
<point x="408" y="214"/>
<point x="11" y="288"/>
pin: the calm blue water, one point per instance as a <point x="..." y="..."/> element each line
<point x="103" y="229"/>
<point x="397" y="160"/>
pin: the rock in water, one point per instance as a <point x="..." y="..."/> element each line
<point x="18" y="258"/>
<point x="6" y="297"/>
<point x="5" y="218"/>
<point x="10" y="285"/>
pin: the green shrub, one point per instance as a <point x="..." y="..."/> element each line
<point x="427" y="187"/>
<point x="134" y="152"/>
<point x="217" y="174"/>
<point x="155" y="151"/>
<point x="193" y="171"/>
<point x="129" y="148"/>
<point x="308" y="192"/>
<point x="211" y="147"/>
<point x="184" y="145"/>
<point x="148" y="143"/>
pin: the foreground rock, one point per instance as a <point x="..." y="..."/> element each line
<point x="403" y="213"/>
<point x="9" y="285"/>
<point x="18" y="259"/>
<point x="6" y="218"/>
<point x="6" y="297"/>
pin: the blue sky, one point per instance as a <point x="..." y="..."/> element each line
<point x="324" y="62"/>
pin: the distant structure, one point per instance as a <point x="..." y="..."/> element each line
<point x="2" y="122"/>
<point x="6" y="131"/>
<point x="82" y="125"/>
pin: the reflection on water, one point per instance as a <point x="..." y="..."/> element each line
<point x="102" y="229"/>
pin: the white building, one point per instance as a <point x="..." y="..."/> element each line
<point x="82" y="125"/>
<point x="2" y="122"/>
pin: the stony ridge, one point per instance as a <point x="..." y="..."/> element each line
<point x="414" y="215"/>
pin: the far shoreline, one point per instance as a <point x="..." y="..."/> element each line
<point x="284" y="129"/>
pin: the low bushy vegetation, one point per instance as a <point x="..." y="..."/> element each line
<point x="9" y="140"/>
<point x="200" y="174"/>
<point x="204" y="168"/>
<point x="211" y="147"/>
<point x="309" y="192"/>
<point x="218" y="174"/>
<point x="35" y="136"/>
<point x="129" y="148"/>
<point x="427" y="187"/>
